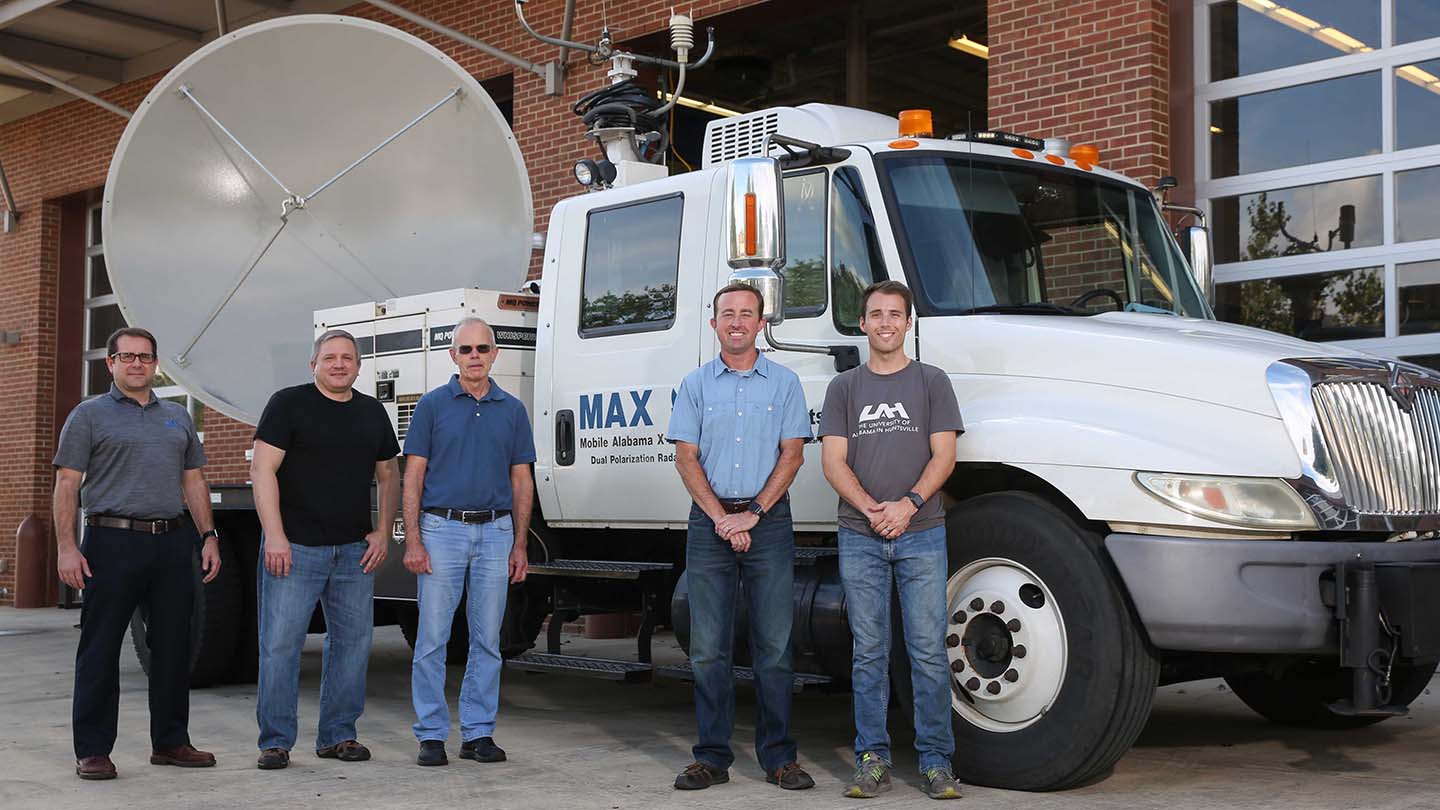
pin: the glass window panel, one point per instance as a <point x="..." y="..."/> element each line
<point x="632" y="260"/>
<point x="1250" y="36"/>
<point x="855" y="259"/>
<point x="97" y="377"/>
<point x="99" y="277"/>
<point x="1427" y="360"/>
<point x="1417" y="104"/>
<point x="1417" y="199"/>
<point x="1300" y="220"/>
<point x="95" y="225"/>
<point x="1419" y="291"/>
<point x="1343" y="305"/>
<point x="1308" y="123"/>
<point x="1416" y="19"/>
<point x="804" y="269"/>
<point x="103" y="321"/>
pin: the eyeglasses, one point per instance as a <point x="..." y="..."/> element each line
<point x="129" y="357"/>
<point x="478" y="348"/>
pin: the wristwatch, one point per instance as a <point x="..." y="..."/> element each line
<point x="209" y="534"/>
<point x="915" y="498"/>
<point x="757" y="510"/>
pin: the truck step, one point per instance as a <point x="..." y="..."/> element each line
<point x="597" y="569"/>
<point x="603" y="668"/>
<point x="809" y="555"/>
<point x="745" y="675"/>
<point x="1346" y="708"/>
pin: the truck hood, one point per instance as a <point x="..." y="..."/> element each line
<point x="1207" y="361"/>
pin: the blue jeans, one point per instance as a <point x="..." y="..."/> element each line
<point x="332" y="576"/>
<point x="917" y="562"/>
<point x="766" y="572"/>
<point x="470" y="560"/>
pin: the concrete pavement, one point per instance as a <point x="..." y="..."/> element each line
<point x="578" y="743"/>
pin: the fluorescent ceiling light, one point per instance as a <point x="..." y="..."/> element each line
<point x="702" y="106"/>
<point x="970" y="46"/>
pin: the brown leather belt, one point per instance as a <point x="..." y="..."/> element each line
<point x="161" y="526"/>
<point x="469" y="515"/>
<point x="735" y="506"/>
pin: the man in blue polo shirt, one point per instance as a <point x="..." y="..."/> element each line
<point x="467" y="497"/>
<point x="739" y="425"/>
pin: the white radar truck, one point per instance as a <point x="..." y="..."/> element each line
<point x="1143" y="495"/>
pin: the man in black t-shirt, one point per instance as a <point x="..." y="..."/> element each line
<point x="317" y="448"/>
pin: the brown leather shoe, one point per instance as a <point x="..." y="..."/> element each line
<point x="185" y="756"/>
<point x="95" y="768"/>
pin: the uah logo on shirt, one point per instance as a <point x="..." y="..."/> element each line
<point x="870" y="413"/>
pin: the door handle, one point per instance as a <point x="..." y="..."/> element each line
<point x="565" y="438"/>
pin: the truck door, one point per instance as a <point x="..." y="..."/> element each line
<point x="626" y="329"/>
<point x="833" y="249"/>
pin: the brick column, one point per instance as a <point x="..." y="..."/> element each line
<point x="1094" y="72"/>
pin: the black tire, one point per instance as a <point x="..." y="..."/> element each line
<point x="214" y="623"/>
<point x="1110" y="675"/>
<point x="245" y="668"/>
<point x="1300" y="695"/>
<point x="457" y="651"/>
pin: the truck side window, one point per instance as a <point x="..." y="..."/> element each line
<point x="855" y="258"/>
<point x="804" y="270"/>
<point x="632" y="261"/>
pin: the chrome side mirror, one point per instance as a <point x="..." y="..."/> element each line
<point x="771" y="286"/>
<point x="1202" y="263"/>
<point x="755" y="230"/>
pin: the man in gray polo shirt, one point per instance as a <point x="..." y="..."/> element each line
<point x="134" y="461"/>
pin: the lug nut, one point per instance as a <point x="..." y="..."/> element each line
<point x="1018" y="651"/>
<point x="997" y="606"/>
<point x="952" y="640"/>
<point x="1011" y="675"/>
<point x="973" y="684"/>
<point x="957" y="666"/>
<point x="977" y="604"/>
<point x="993" y="687"/>
<point x="958" y="618"/>
<point x="1013" y="625"/>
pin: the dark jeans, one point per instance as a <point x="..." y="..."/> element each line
<point x="766" y="574"/>
<point x="131" y="569"/>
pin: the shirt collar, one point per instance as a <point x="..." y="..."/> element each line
<point x="495" y="394"/>
<point x="761" y="367"/>
<point x="120" y="396"/>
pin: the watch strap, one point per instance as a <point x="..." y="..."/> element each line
<point x="209" y="534"/>
<point x="756" y="509"/>
<point x="915" y="498"/>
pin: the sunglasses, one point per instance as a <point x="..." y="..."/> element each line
<point x="478" y="348"/>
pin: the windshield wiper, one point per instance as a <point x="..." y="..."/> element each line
<point x="1030" y="308"/>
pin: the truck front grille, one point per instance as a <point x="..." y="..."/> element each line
<point x="1386" y="457"/>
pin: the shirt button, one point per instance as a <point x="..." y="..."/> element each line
<point x="737" y="466"/>
<point x="739" y="413"/>
<point x="737" y="438"/>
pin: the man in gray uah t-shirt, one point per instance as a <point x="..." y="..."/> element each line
<point x="889" y="430"/>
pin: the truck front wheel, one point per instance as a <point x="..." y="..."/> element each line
<point x="1051" y="679"/>
<point x="1300" y="694"/>
<point x="214" y="623"/>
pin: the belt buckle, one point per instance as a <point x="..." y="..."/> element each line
<point x="158" y="527"/>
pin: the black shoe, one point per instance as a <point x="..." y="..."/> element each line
<point x="273" y="759"/>
<point x="790" y="776"/>
<point x="698" y="776"/>
<point x="482" y="749"/>
<point x="432" y="752"/>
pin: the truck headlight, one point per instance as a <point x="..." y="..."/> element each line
<point x="1262" y="503"/>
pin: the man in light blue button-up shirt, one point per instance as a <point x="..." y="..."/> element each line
<point x="739" y="424"/>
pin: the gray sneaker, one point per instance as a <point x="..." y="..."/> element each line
<point x="872" y="777"/>
<point x="941" y="784"/>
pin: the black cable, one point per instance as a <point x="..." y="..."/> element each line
<point x="625" y="105"/>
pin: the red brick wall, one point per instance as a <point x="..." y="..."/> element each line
<point x="1095" y="71"/>
<point x="67" y="149"/>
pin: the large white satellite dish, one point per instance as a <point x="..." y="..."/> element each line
<point x="230" y="215"/>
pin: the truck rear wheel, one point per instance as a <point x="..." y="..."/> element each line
<point x="1051" y="679"/>
<point x="215" y="623"/>
<point x="1303" y="691"/>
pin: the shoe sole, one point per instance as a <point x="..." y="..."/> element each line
<point x="433" y="764"/>
<point x="94" y="777"/>
<point x="345" y="757"/>
<point x="154" y="760"/>
<point x="472" y="756"/>
<point x="278" y="766"/>
<point x="857" y="793"/>
<point x="787" y="787"/>
<point x="720" y="780"/>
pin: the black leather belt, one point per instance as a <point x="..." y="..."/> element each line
<point x="734" y="506"/>
<point x="161" y="526"/>
<point x="469" y="515"/>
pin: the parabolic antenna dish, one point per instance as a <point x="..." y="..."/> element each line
<point x="230" y="215"/>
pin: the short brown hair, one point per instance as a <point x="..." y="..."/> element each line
<point x="113" y="344"/>
<point x="736" y="286"/>
<point x="891" y="287"/>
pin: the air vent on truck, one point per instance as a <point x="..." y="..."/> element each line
<point x="743" y="136"/>
<point x="405" y="408"/>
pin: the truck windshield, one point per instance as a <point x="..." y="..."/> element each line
<point x="984" y="235"/>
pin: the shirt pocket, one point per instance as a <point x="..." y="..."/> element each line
<point x="764" y="420"/>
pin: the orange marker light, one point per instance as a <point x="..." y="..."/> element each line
<point x="751" y="218"/>
<point x="904" y="143"/>
<point x="1056" y="159"/>
<point x="1085" y="165"/>
<point x="1086" y="152"/>
<point x="916" y="124"/>
<point x="1024" y="153"/>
